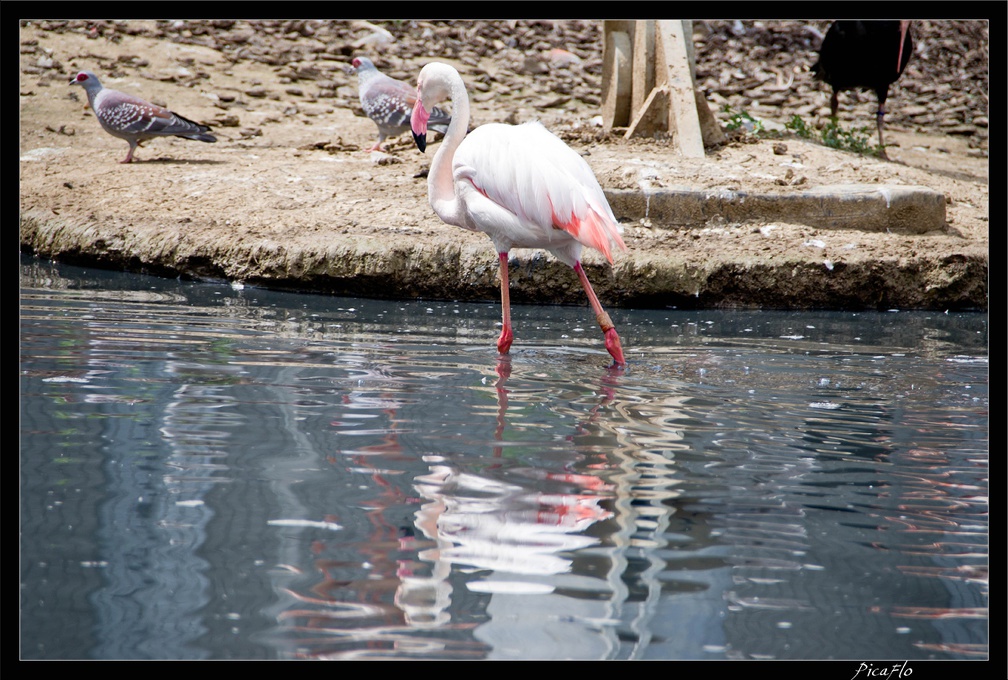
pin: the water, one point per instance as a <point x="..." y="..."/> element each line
<point x="211" y="473"/>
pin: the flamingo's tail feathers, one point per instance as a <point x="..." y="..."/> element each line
<point x="595" y="230"/>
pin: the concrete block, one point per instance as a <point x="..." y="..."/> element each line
<point x="866" y="207"/>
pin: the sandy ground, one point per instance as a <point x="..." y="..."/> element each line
<point x="289" y="193"/>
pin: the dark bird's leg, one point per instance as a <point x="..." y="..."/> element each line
<point x="879" y="115"/>
<point x="879" y="121"/>
<point x="833" y="104"/>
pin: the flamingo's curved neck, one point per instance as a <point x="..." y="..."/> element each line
<point x="440" y="183"/>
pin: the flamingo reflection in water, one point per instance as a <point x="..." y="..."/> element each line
<point x="520" y="525"/>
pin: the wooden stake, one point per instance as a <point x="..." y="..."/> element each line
<point x="616" y="80"/>
<point x="643" y="65"/>
<point x="673" y="60"/>
<point x="653" y="115"/>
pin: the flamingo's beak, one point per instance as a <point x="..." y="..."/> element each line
<point x="418" y="123"/>
<point x="421" y="141"/>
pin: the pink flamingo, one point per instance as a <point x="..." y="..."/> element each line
<point x="518" y="184"/>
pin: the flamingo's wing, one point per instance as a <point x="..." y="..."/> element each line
<point x="538" y="180"/>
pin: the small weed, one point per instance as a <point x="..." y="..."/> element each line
<point x="832" y="135"/>
<point x="856" y="139"/>
<point x="742" y="119"/>
<point x="798" y="126"/>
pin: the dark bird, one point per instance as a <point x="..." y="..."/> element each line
<point x="865" y="55"/>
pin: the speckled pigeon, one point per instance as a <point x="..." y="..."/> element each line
<point x="133" y="119"/>
<point x="389" y="102"/>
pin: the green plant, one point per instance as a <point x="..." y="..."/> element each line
<point x="798" y="126"/>
<point x="742" y="119"/>
<point x="855" y="139"/>
<point x="832" y="135"/>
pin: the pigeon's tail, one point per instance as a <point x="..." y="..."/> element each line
<point x="438" y="120"/>
<point x="200" y="137"/>
<point x="195" y="131"/>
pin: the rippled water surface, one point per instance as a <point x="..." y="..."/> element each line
<point x="212" y="473"/>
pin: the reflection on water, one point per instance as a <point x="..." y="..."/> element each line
<point x="211" y="473"/>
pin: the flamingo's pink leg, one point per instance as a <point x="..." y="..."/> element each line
<point x="506" y="336"/>
<point x="612" y="339"/>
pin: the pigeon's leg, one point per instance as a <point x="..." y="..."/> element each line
<point x="129" y="156"/>
<point x="381" y="140"/>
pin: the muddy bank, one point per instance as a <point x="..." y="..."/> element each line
<point x="288" y="198"/>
